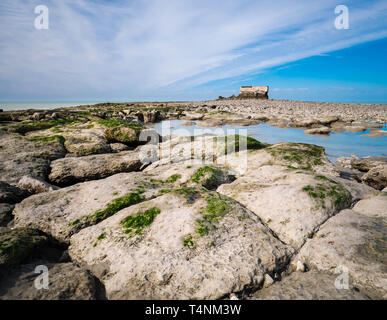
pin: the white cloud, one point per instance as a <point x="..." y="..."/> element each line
<point x="135" y="49"/>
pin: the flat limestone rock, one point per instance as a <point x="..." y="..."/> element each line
<point x="328" y="120"/>
<point x="311" y="285"/>
<point x="319" y="130"/>
<point x="188" y="123"/>
<point x="76" y="169"/>
<point x="193" y="116"/>
<point x="211" y="123"/>
<point x="358" y="190"/>
<point x="63" y="212"/>
<point x="178" y="253"/>
<point x="355" y="128"/>
<point x="83" y="142"/>
<point x="243" y="122"/>
<point x="66" y="282"/>
<point x="291" y="203"/>
<point x="19" y="157"/>
<point x="307" y="123"/>
<point x="292" y="155"/>
<point x="192" y="173"/>
<point x="354" y="243"/>
<point x="122" y="135"/>
<point x="374" y="206"/>
<point x="209" y="149"/>
<point x="280" y="123"/>
<point x="180" y="149"/>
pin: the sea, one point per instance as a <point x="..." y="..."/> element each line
<point x="42" y="105"/>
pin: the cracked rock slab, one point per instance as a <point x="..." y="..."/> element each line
<point x="293" y="155"/>
<point x="353" y="242"/>
<point x="63" y="212"/>
<point x="288" y="201"/>
<point x="83" y="142"/>
<point x="311" y="285"/>
<point x="168" y="259"/>
<point x="59" y="213"/>
<point x="19" y="157"/>
<point x="77" y="169"/>
<point x="373" y="206"/>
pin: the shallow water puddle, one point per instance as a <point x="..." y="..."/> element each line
<point x="336" y="144"/>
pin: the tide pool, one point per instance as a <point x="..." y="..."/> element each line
<point x="337" y="145"/>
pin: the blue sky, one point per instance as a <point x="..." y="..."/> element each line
<point x="192" y="49"/>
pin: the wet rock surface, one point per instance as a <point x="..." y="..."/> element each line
<point x="320" y="130"/>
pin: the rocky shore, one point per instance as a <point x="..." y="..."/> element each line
<point x="111" y="216"/>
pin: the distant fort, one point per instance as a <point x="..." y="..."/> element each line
<point x="251" y="92"/>
<point x="255" y="92"/>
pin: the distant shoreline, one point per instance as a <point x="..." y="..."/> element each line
<point x="49" y="105"/>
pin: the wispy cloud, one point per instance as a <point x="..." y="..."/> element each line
<point x="139" y="49"/>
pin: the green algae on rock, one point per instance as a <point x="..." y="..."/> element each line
<point x="236" y="143"/>
<point x="135" y="224"/>
<point x="217" y="207"/>
<point x="209" y="177"/>
<point x="121" y="131"/>
<point x="303" y="155"/>
<point x="329" y="190"/>
<point x="113" y="207"/>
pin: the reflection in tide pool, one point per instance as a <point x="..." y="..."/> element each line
<point x="337" y="145"/>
